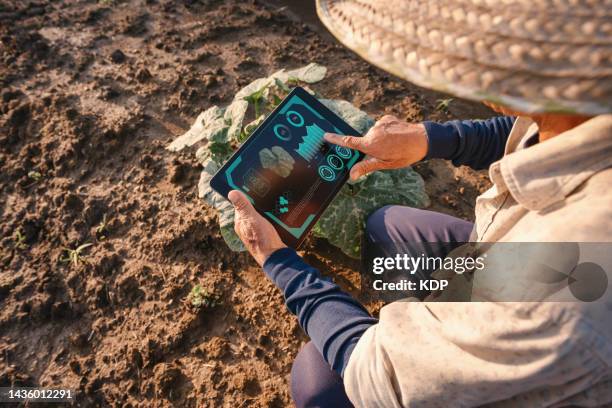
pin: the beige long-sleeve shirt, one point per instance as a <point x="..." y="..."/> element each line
<point x="526" y="354"/>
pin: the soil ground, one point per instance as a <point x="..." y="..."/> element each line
<point x="92" y="92"/>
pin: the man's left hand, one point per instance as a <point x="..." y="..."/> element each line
<point x="258" y="235"/>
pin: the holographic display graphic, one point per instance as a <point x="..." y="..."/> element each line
<point x="335" y="162"/>
<point x="343" y="152"/>
<point x="277" y="159"/>
<point x="311" y="142"/>
<point x="295" y="118"/>
<point x="283" y="204"/>
<point x="327" y="173"/>
<point x="256" y="183"/>
<point x="282" y="132"/>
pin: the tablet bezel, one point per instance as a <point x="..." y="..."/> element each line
<point x="219" y="183"/>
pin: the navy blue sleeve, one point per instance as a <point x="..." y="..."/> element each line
<point x="333" y="320"/>
<point x="473" y="143"/>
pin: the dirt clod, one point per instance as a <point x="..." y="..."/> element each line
<point x="143" y="75"/>
<point x="167" y="379"/>
<point x="117" y="57"/>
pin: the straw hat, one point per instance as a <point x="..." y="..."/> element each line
<point x="530" y="55"/>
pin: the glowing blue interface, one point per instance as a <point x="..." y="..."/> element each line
<point x="287" y="169"/>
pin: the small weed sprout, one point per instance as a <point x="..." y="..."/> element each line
<point x="443" y="104"/>
<point x="75" y="256"/>
<point x="201" y="298"/>
<point x="101" y="229"/>
<point x="34" y="176"/>
<point x="19" y="239"/>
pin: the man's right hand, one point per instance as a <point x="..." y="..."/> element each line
<point x="390" y="144"/>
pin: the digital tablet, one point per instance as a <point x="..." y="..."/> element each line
<point x="286" y="168"/>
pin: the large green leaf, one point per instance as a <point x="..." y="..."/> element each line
<point x="234" y="116"/>
<point x="342" y="223"/>
<point x="225" y="210"/>
<point x="211" y="197"/>
<point x="208" y="125"/>
<point x="310" y="74"/>
<point x="257" y="86"/>
<point x="231" y="238"/>
<point x="358" y="119"/>
<point x="251" y="126"/>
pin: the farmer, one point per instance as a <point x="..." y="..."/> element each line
<point x="547" y="67"/>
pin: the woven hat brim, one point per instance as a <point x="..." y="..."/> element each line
<point x="502" y="62"/>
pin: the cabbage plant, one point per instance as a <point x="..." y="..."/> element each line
<point x="221" y="130"/>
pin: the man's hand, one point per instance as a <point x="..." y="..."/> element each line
<point x="390" y="144"/>
<point x="257" y="234"/>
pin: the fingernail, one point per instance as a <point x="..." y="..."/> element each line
<point x="232" y="197"/>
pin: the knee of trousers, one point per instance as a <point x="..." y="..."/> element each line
<point x="313" y="384"/>
<point x="382" y="221"/>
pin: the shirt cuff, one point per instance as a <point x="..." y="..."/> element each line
<point x="442" y="140"/>
<point x="279" y="260"/>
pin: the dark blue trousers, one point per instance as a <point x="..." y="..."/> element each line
<point x="313" y="382"/>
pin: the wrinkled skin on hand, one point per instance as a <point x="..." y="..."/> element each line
<point x="390" y="144"/>
<point x="258" y="235"/>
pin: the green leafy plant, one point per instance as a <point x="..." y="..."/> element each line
<point x="75" y="256"/>
<point x="201" y="298"/>
<point x="223" y="129"/>
<point x="19" y="239"/>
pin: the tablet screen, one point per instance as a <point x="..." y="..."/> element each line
<point x="286" y="168"/>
